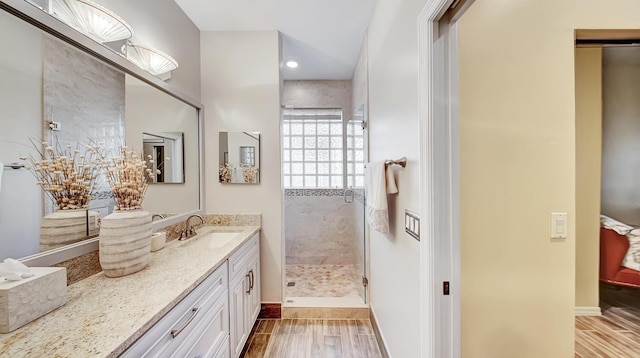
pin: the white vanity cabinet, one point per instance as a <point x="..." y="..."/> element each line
<point x="198" y="326"/>
<point x="215" y="319"/>
<point x="244" y="293"/>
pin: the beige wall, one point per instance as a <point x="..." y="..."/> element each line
<point x="394" y="133"/>
<point x="241" y="92"/>
<point x="517" y="164"/>
<point x="621" y="134"/>
<point x="588" y="162"/>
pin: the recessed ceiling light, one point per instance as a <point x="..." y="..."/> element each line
<point x="292" y="64"/>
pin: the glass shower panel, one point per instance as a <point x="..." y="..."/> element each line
<point x="356" y="157"/>
<point x="322" y="165"/>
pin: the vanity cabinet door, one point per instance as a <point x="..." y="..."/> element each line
<point x="253" y="300"/>
<point x="244" y="293"/>
<point x="237" y="299"/>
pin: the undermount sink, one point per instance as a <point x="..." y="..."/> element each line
<point x="212" y="240"/>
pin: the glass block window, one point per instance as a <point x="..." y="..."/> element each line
<point x="313" y="153"/>
<point x="355" y="155"/>
<point x="248" y="156"/>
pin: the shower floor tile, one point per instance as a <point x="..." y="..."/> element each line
<point x="323" y="281"/>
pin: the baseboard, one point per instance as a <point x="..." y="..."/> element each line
<point x="376" y="330"/>
<point x="588" y="311"/>
<point x="270" y="310"/>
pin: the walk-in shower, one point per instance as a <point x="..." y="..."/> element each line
<point x="323" y="177"/>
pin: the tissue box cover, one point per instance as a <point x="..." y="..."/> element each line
<point x="23" y="301"/>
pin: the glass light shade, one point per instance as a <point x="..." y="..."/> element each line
<point x="151" y="60"/>
<point x="91" y="19"/>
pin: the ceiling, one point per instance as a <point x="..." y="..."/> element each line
<point x="323" y="36"/>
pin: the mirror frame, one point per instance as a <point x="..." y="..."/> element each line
<point x="42" y="20"/>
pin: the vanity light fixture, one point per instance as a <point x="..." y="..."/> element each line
<point x="91" y="19"/>
<point x="292" y="64"/>
<point x="151" y="60"/>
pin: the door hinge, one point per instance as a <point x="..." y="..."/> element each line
<point x="365" y="281"/>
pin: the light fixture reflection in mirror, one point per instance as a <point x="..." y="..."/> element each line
<point x="239" y="157"/>
<point x="91" y="19"/>
<point x="151" y="60"/>
<point x="167" y="151"/>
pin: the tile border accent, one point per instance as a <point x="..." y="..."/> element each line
<point x="376" y="331"/>
<point x="313" y="192"/>
<point x="101" y="195"/>
<point x="270" y="310"/>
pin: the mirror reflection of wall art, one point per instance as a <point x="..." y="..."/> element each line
<point x="239" y="157"/>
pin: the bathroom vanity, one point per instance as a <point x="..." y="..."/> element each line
<point x="198" y="297"/>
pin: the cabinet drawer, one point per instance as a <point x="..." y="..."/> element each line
<point x="158" y="341"/>
<point x="223" y="352"/>
<point x="238" y="261"/>
<point x="210" y="334"/>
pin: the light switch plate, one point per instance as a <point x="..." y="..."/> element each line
<point x="559" y="225"/>
<point x="412" y="224"/>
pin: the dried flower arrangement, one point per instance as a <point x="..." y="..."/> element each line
<point x="250" y="174"/>
<point x="67" y="174"/>
<point x="129" y="178"/>
<point x="224" y="173"/>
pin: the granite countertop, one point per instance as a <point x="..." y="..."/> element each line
<point x="104" y="316"/>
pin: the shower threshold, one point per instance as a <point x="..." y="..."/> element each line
<point x="325" y="308"/>
<point x="345" y="302"/>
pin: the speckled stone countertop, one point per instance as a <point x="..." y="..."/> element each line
<point x="104" y="316"/>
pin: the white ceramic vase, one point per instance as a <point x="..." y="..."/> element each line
<point x="64" y="227"/>
<point x="125" y="242"/>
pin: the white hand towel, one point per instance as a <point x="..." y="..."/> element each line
<point x="1" y="170"/>
<point x="377" y="208"/>
<point x="392" y="188"/>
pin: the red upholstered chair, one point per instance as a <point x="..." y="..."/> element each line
<point x="613" y="248"/>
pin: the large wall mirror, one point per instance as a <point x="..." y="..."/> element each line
<point x="83" y="90"/>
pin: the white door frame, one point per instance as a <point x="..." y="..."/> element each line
<point x="439" y="184"/>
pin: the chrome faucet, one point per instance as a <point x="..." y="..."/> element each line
<point x="157" y="216"/>
<point x="189" y="231"/>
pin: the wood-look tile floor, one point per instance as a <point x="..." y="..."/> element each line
<point x="312" y="338"/>
<point x="617" y="332"/>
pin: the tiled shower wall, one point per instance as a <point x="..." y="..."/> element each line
<point x="321" y="228"/>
